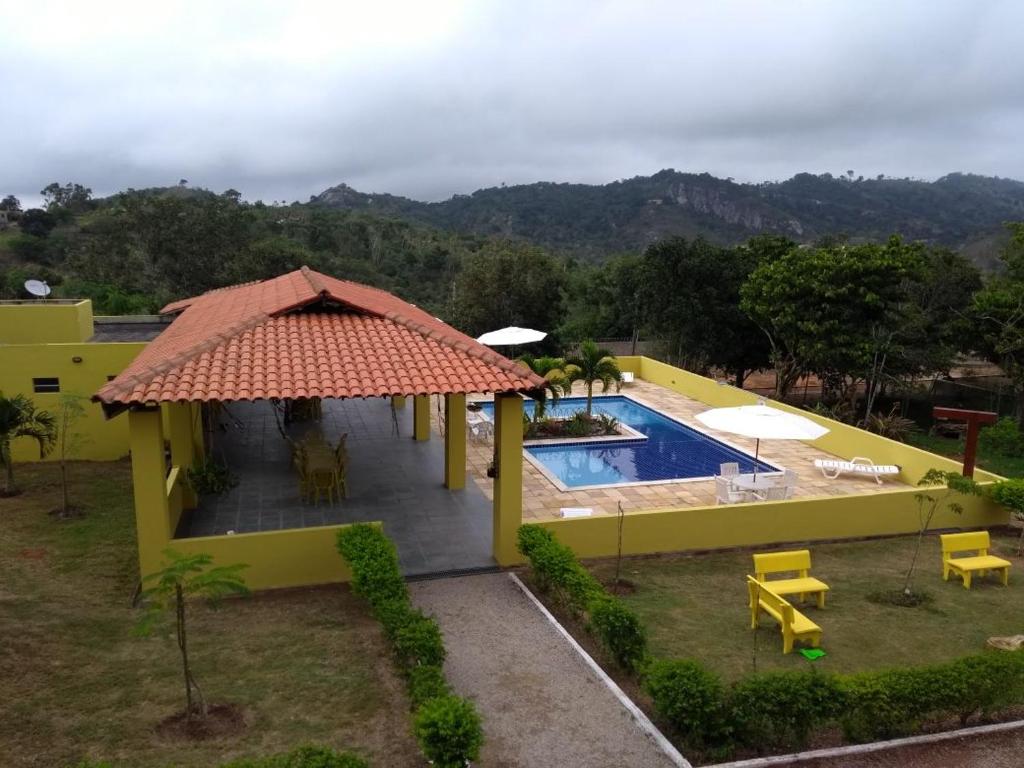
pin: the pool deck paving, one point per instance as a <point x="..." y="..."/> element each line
<point x="542" y="707"/>
<point x="542" y="500"/>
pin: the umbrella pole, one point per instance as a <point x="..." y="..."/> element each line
<point x="757" y="452"/>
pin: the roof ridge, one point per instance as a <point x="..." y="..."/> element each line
<point x="477" y="351"/>
<point x="122" y="386"/>
<point x="313" y="278"/>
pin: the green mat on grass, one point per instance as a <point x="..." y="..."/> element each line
<point x="812" y="653"/>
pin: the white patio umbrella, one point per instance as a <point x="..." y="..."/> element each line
<point x="511" y="336"/>
<point x="761" y="423"/>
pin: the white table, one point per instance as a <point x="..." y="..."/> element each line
<point x="752" y="483"/>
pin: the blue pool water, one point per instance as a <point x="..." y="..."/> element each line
<point x="672" y="451"/>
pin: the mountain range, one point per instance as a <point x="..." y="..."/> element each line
<point x="962" y="211"/>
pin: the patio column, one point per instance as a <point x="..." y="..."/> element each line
<point x="455" y="441"/>
<point x="508" y="480"/>
<point x="149" y="481"/>
<point x="198" y="438"/>
<point x="421" y="417"/>
<point x="179" y="417"/>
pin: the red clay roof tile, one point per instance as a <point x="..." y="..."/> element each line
<point x="350" y="340"/>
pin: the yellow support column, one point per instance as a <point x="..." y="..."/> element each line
<point x="149" y="480"/>
<point x="198" y="437"/>
<point x="455" y="441"/>
<point x="179" y="417"/>
<point x="398" y="402"/>
<point x="508" y="480"/>
<point x="421" y="417"/>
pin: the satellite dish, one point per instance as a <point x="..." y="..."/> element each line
<point x="37" y="288"/>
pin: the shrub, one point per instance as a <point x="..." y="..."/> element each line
<point x="779" y="710"/>
<point x="619" y="630"/>
<point x="884" y="705"/>
<point x="557" y="570"/>
<point x="690" y="697"/>
<point x="374" y="563"/>
<point x="448" y="730"/>
<point x="426" y="682"/>
<point x="1003" y="437"/>
<point x="303" y="757"/>
<point x="210" y="477"/>
<point x="417" y="641"/>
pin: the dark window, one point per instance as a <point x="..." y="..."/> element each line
<point x="46" y="385"/>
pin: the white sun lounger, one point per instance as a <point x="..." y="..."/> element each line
<point x="833" y="468"/>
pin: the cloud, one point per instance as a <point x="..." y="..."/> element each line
<point x="431" y="99"/>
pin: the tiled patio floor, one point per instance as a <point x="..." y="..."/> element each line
<point x="391" y="478"/>
<point x="542" y="500"/>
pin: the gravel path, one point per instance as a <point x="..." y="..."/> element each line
<point x="542" y="707"/>
<point x="997" y="750"/>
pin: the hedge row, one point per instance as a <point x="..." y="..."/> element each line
<point x="303" y="757"/>
<point x="557" y="571"/>
<point x="780" y="710"/>
<point x="446" y="726"/>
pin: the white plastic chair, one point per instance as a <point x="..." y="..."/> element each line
<point x="729" y="469"/>
<point x="774" y="493"/>
<point x="725" y="493"/>
<point x="789" y="478"/>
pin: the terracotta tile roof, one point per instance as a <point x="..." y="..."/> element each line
<point x="305" y="334"/>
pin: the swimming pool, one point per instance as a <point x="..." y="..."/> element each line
<point x="672" y="450"/>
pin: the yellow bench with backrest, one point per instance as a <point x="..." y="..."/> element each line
<point x="796" y="561"/>
<point x="794" y="625"/>
<point x="982" y="562"/>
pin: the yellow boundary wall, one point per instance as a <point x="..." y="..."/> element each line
<point x="763" y="523"/>
<point x="294" y="557"/>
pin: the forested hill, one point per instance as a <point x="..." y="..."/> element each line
<point x="958" y="210"/>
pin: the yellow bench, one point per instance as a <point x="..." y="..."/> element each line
<point x="795" y="561"/>
<point x="982" y="562"/>
<point x="794" y="625"/>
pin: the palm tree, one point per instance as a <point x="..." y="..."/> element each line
<point x="552" y="370"/>
<point x="593" y="364"/>
<point x="19" y="418"/>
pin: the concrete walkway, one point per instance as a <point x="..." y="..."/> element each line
<point x="542" y="707"/>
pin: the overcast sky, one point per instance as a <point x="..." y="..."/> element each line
<point x="428" y="99"/>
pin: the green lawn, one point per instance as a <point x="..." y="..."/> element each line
<point x="306" y="665"/>
<point x="1007" y="466"/>
<point x="696" y="606"/>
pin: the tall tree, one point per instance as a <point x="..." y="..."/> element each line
<point x="998" y="315"/>
<point x="692" y="288"/>
<point x="10" y="203"/>
<point x="72" y="196"/>
<point x="508" y="283"/>
<point x="831" y="310"/>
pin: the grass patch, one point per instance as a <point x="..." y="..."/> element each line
<point x="952" y="447"/>
<point x="303" y="665"/>
<point x="696" y="607"/>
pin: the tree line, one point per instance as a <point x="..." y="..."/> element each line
<point x="862" y="317"/>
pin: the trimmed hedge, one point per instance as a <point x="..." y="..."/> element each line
<point x="446" y="726"/>
<point x="557" y="571"/>
<point x="781" y="710"/>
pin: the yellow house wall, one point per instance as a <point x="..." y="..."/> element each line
<point x="20" y="363"/>
<point x="45" y="323"/>
<point x="289" y="558"/>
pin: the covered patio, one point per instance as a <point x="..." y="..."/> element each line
<point x="391" y="479"/>
<point x="359" y="356"/>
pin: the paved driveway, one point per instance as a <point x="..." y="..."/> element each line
<point x="542" y="706"/>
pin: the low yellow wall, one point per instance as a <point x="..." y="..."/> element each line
<point x="20" y="363"/>
<point x="34" y="322"/>
<point x="762" y="523"/>
<point x="291" y="558"/>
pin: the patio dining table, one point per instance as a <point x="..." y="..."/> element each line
<point x="751" y="482"/>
